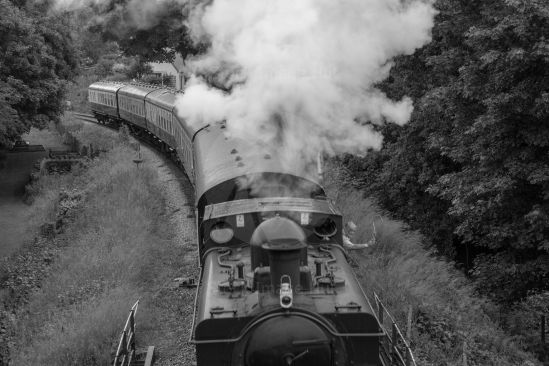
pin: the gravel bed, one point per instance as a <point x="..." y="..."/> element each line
<point x="171" y="336"/>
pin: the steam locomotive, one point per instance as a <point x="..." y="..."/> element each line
<point x="275" y="284"/>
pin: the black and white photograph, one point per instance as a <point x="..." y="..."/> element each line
<point x="274" y="182"/>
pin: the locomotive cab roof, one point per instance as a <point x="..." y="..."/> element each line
<point x="227" y="164"/>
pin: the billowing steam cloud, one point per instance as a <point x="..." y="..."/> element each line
<point x="300" y="74"/>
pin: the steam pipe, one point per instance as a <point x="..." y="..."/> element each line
<point x="240" y="267"/>
<point x="223" y="255"/>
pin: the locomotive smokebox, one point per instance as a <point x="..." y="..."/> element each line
<point x="280" y="242"/>
<point x="289" y="340"/>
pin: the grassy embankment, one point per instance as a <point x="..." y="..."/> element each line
<point x="449" y="321"/>
<point x="114" y="255"/>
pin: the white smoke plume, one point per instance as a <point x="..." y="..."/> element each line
<point x="301" y="73"/>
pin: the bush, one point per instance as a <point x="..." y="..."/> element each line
<point x="448" y="319"/>
<point x="524" y="322"/>
<point x="152" y="79"/>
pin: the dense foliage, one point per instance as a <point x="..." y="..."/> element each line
<point x="471" y="169"/>
<point x="154" y="32"/>
<point x="36" y="60"/>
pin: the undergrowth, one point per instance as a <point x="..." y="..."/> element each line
<point x="80" y="309"/>
<point x="450" y="324"/>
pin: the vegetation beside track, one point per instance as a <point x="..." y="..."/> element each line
<point x="115" y="211"/>
<point x="107" y="245"/>
<point x="450" y="324"/>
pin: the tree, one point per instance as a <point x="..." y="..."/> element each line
<point x="153" y="34"/>
<point x="399" y="175"/>
<point x="471" y="168"/>
<point x="500" y="194"/>
<point x="36" y="59"/>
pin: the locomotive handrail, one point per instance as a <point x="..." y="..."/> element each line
<point x="395" y="354"/>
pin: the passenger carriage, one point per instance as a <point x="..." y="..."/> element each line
<point x="103" y="99"/>
<point x="159" y="108"/>
<point x="131" y="100"/>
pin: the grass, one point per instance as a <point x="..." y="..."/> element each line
<point x="109" y="262"/>
<point x="449" y="321"/>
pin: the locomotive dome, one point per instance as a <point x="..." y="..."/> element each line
<point x="278" y="233"/>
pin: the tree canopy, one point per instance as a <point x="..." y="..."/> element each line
<point x="36" y="59"/>
<point x="155" y="33"/>
<point x="471" y="170"/>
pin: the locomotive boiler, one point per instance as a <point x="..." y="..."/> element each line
<point x="276" y="288"/>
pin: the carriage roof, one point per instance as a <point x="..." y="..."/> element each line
<point x="104" y="86"/>
<point x="136" y="90"/>
<point x="221" y="159"/>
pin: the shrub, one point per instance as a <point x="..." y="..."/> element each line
<point x="448" y="319"/>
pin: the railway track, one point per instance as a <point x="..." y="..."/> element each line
<point x="84" y="117"/>
<point x="144" y="137"/>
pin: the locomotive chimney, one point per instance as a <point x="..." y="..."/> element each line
<point x="284" y="259"/>
<point x="280" y="244"/>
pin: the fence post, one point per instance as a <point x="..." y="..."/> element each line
<point x="379" y="311"/>
<point x="124" y="349"/>
<point x="132" y="320"/>
<point x="132" y="329"/>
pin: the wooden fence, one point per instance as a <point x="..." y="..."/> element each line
<point x="126" y="353"/>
